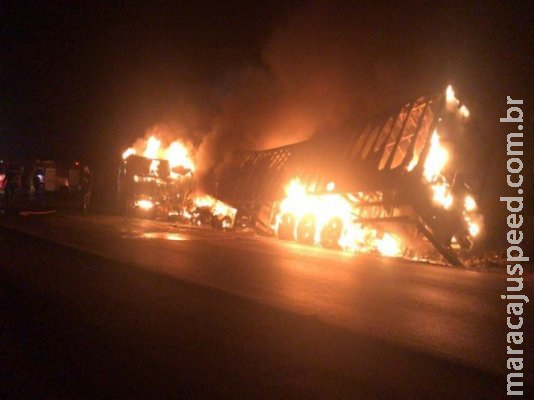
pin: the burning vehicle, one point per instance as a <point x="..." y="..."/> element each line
<point x="404" y="183"/>
<point x="206" y="210"/>
<point x="157" y="181"/>
<point x="144" y="187"/>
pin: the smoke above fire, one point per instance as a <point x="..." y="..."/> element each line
<point x="319" y="72"/>
<point x="306" y="83"/>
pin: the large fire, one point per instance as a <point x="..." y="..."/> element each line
<point x="217" y="207"/>
<point x="433" y="172"/>
<point x="436" y="161"/>
<point x="329" y="219"/>
<point x="435" y="164"/>
<point x="180" y="159"/>
<point x="177" y="153"/>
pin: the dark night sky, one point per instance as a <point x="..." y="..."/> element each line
<point x="84" y="77"/>
<point x="86" y="80"/>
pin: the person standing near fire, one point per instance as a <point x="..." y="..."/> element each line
<point x="86" y="187"/>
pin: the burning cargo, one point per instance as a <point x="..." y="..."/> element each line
<point x="404" y="183"/>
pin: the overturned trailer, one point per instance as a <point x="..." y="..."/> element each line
<point x="414" y="172"/>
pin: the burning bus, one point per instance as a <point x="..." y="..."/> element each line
<point x="403" y="183"/>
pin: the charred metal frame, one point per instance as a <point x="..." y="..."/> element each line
<point x="374" y="158"/>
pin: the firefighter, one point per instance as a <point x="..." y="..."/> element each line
<point x="86" y="187"/>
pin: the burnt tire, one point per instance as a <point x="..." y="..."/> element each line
<point x="226" y="223"/>
<point x="286" y="227"/>
<point x="306" y="230"/>
<point x="331" y="233"/>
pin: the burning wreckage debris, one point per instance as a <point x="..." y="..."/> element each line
<point x="157" y="181"/>
<point x="402" y="184"/>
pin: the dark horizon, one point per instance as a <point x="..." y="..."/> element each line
<point x="76" y="77"/>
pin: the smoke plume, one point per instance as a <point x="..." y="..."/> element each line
<point x="319" y="73"/>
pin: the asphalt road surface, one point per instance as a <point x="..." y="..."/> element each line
<point x="107" y="307"/>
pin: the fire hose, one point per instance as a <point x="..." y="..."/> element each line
<point x="28" y="213"/>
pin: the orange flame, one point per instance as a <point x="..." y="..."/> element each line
<point x="179" y="156"/>
<point x="217" y="206"/>
<point x="436" y="160"/>
<point x="152" y="148"/>
<point x="331" y="214"/>
<point x="176" y="153"/>
<point x="388" y="245"/>
<point x="435" y="163"/>
<point x="454" y="104"/>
